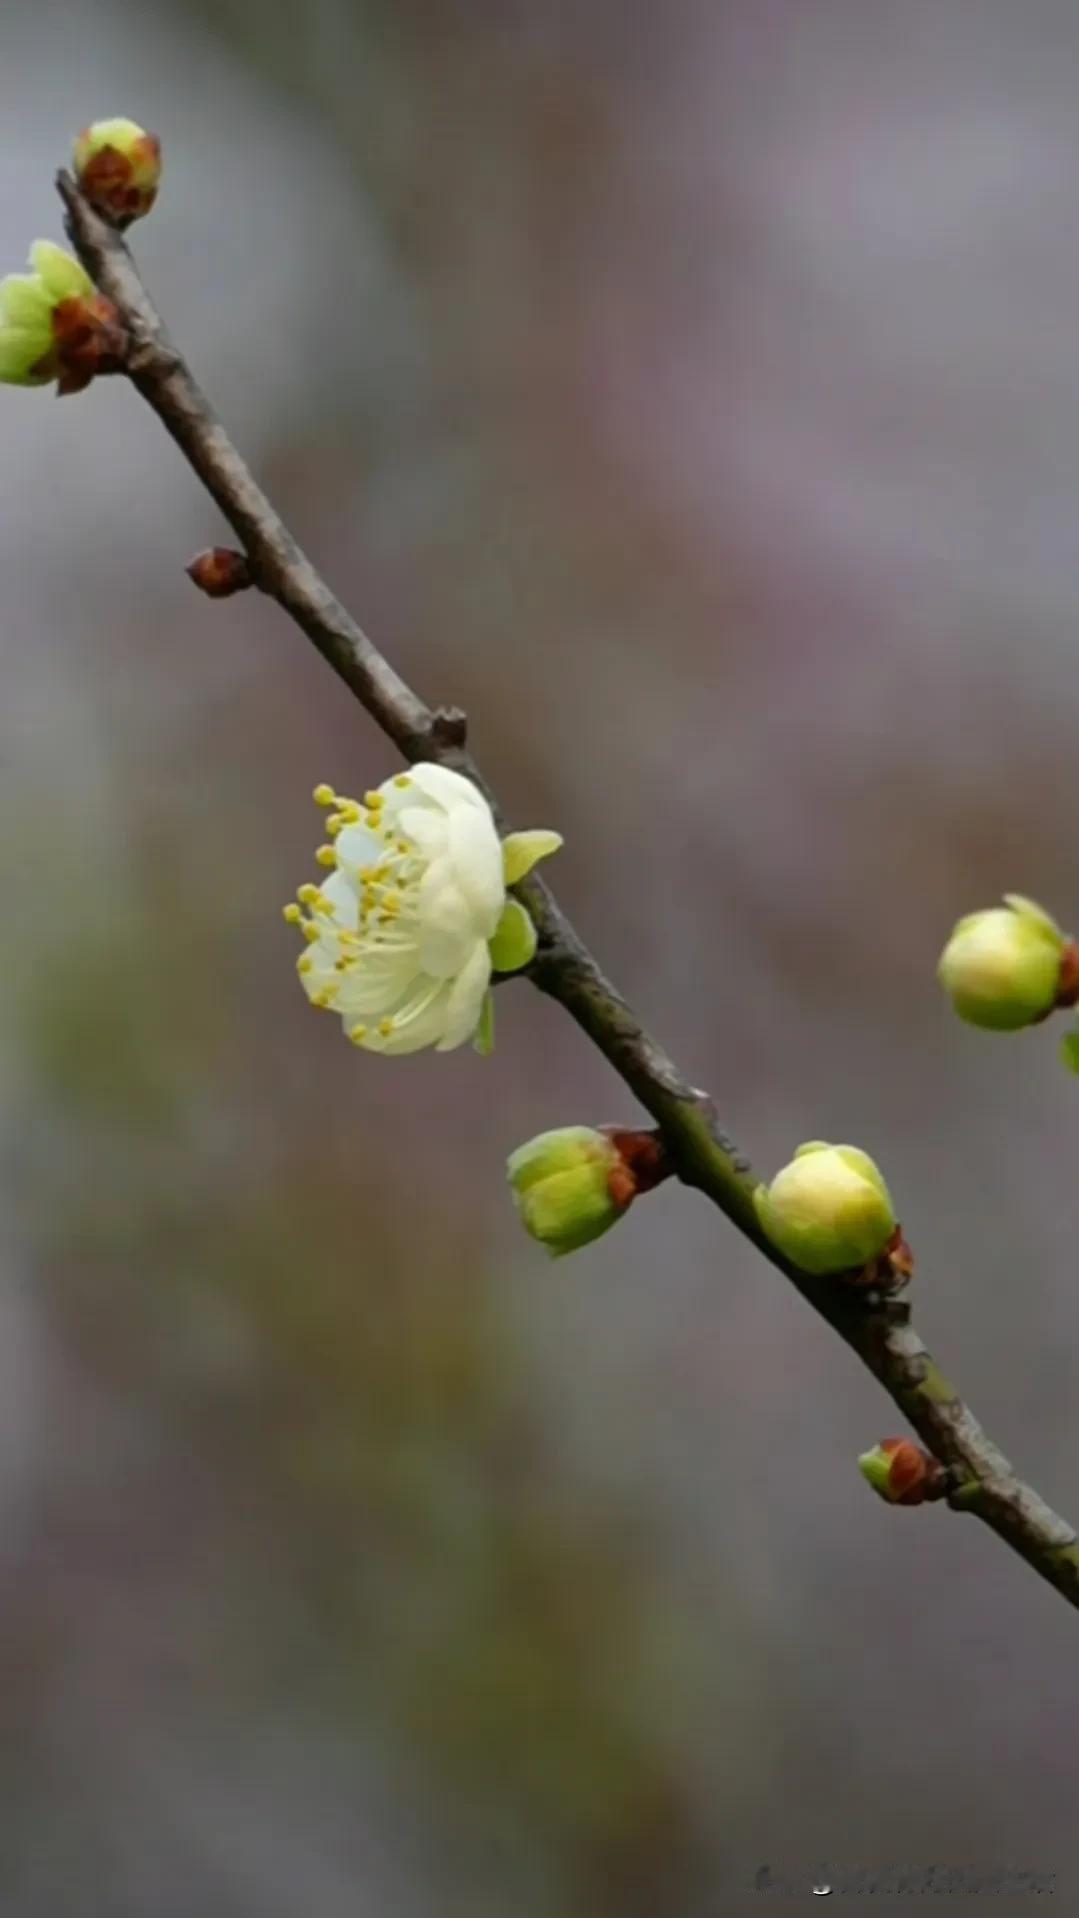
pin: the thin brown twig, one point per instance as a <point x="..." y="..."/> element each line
<point x="879" y="1331"/>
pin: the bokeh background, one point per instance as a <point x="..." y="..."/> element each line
<point x="692" y="393"/>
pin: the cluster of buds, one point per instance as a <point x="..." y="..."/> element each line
<point x="54" y="323"/>
<point x="903" y="1473"/>
<point x="830" y="1214"/>
<point x="571" y="1185"/>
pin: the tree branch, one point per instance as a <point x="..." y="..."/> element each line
<point x="879" y="1331"/>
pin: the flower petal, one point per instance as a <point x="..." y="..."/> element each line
<point x="1035" y="915"/>
<point x="449" y="789"/>
<point x="377" y="983"/>
<point x="417" y="1024"/>
<point x="342" y="899"/>
<point x="316" y="969"/>
<point x="357" y="846"/>
<point x="60" y="274"/>
<point x="476" y="856"/>
<point x="446" y="923"/>
<point x="20" y="352"/>
<point x="427" y="827"/>
<point x="24" y="302"/>
<point x="464" y="1005"/>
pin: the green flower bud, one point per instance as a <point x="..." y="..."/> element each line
<point x="569" y="1186"/>
<point x="118" y="167"/>
<point x="55" y="325"/>
<point x="1002" y="968"/>
<point x="828" y="1211"/>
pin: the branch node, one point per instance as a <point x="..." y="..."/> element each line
<point x="448" y="730"/>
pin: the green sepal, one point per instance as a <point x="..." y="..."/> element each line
<point x="1069" y="1050"/>
<point x="484" y="1041"/>
<point x="513" y="943"/>
<point x="1035" y="915"/>
<point x="522" y="850"/>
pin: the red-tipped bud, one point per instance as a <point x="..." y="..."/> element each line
<point x="219" y="572"/>
<point x="118" y="166"/>
<point x="903" y="1473"/>
<point x="55" y="325"/>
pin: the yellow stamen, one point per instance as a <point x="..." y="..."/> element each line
<point x="385" y="1027"/>
<point x="325" y="856"/>
<point x="350" y="812"/>
<point x="374" y="800"/>
<point x="292" y="914"/>
<point x="402" y="780"/>
<point x="358" y="1035"/>
<point x="304" y="963"/>
<point x="310" y="933"/>
<point x="324" y="795"/>
<point x="307" y="894"/>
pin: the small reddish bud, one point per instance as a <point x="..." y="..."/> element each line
<point x="903" y="1473"/>
<point x="219" y="572"/>
<point x="118" y="166"/>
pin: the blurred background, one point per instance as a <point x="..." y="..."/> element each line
<point x="692" y="393"/>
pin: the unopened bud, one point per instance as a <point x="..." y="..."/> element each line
<point x="903" y="1473"/>
<point x="55" y="325"/>
<point x="118" y="167"/>
<point x="571" y="1185"/>
<point x="829" y="1211"/>
<point x="1009" y="966"/>
<point x="219" y="572"/>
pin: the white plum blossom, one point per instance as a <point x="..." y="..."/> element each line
<point x="399" y="935"/>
